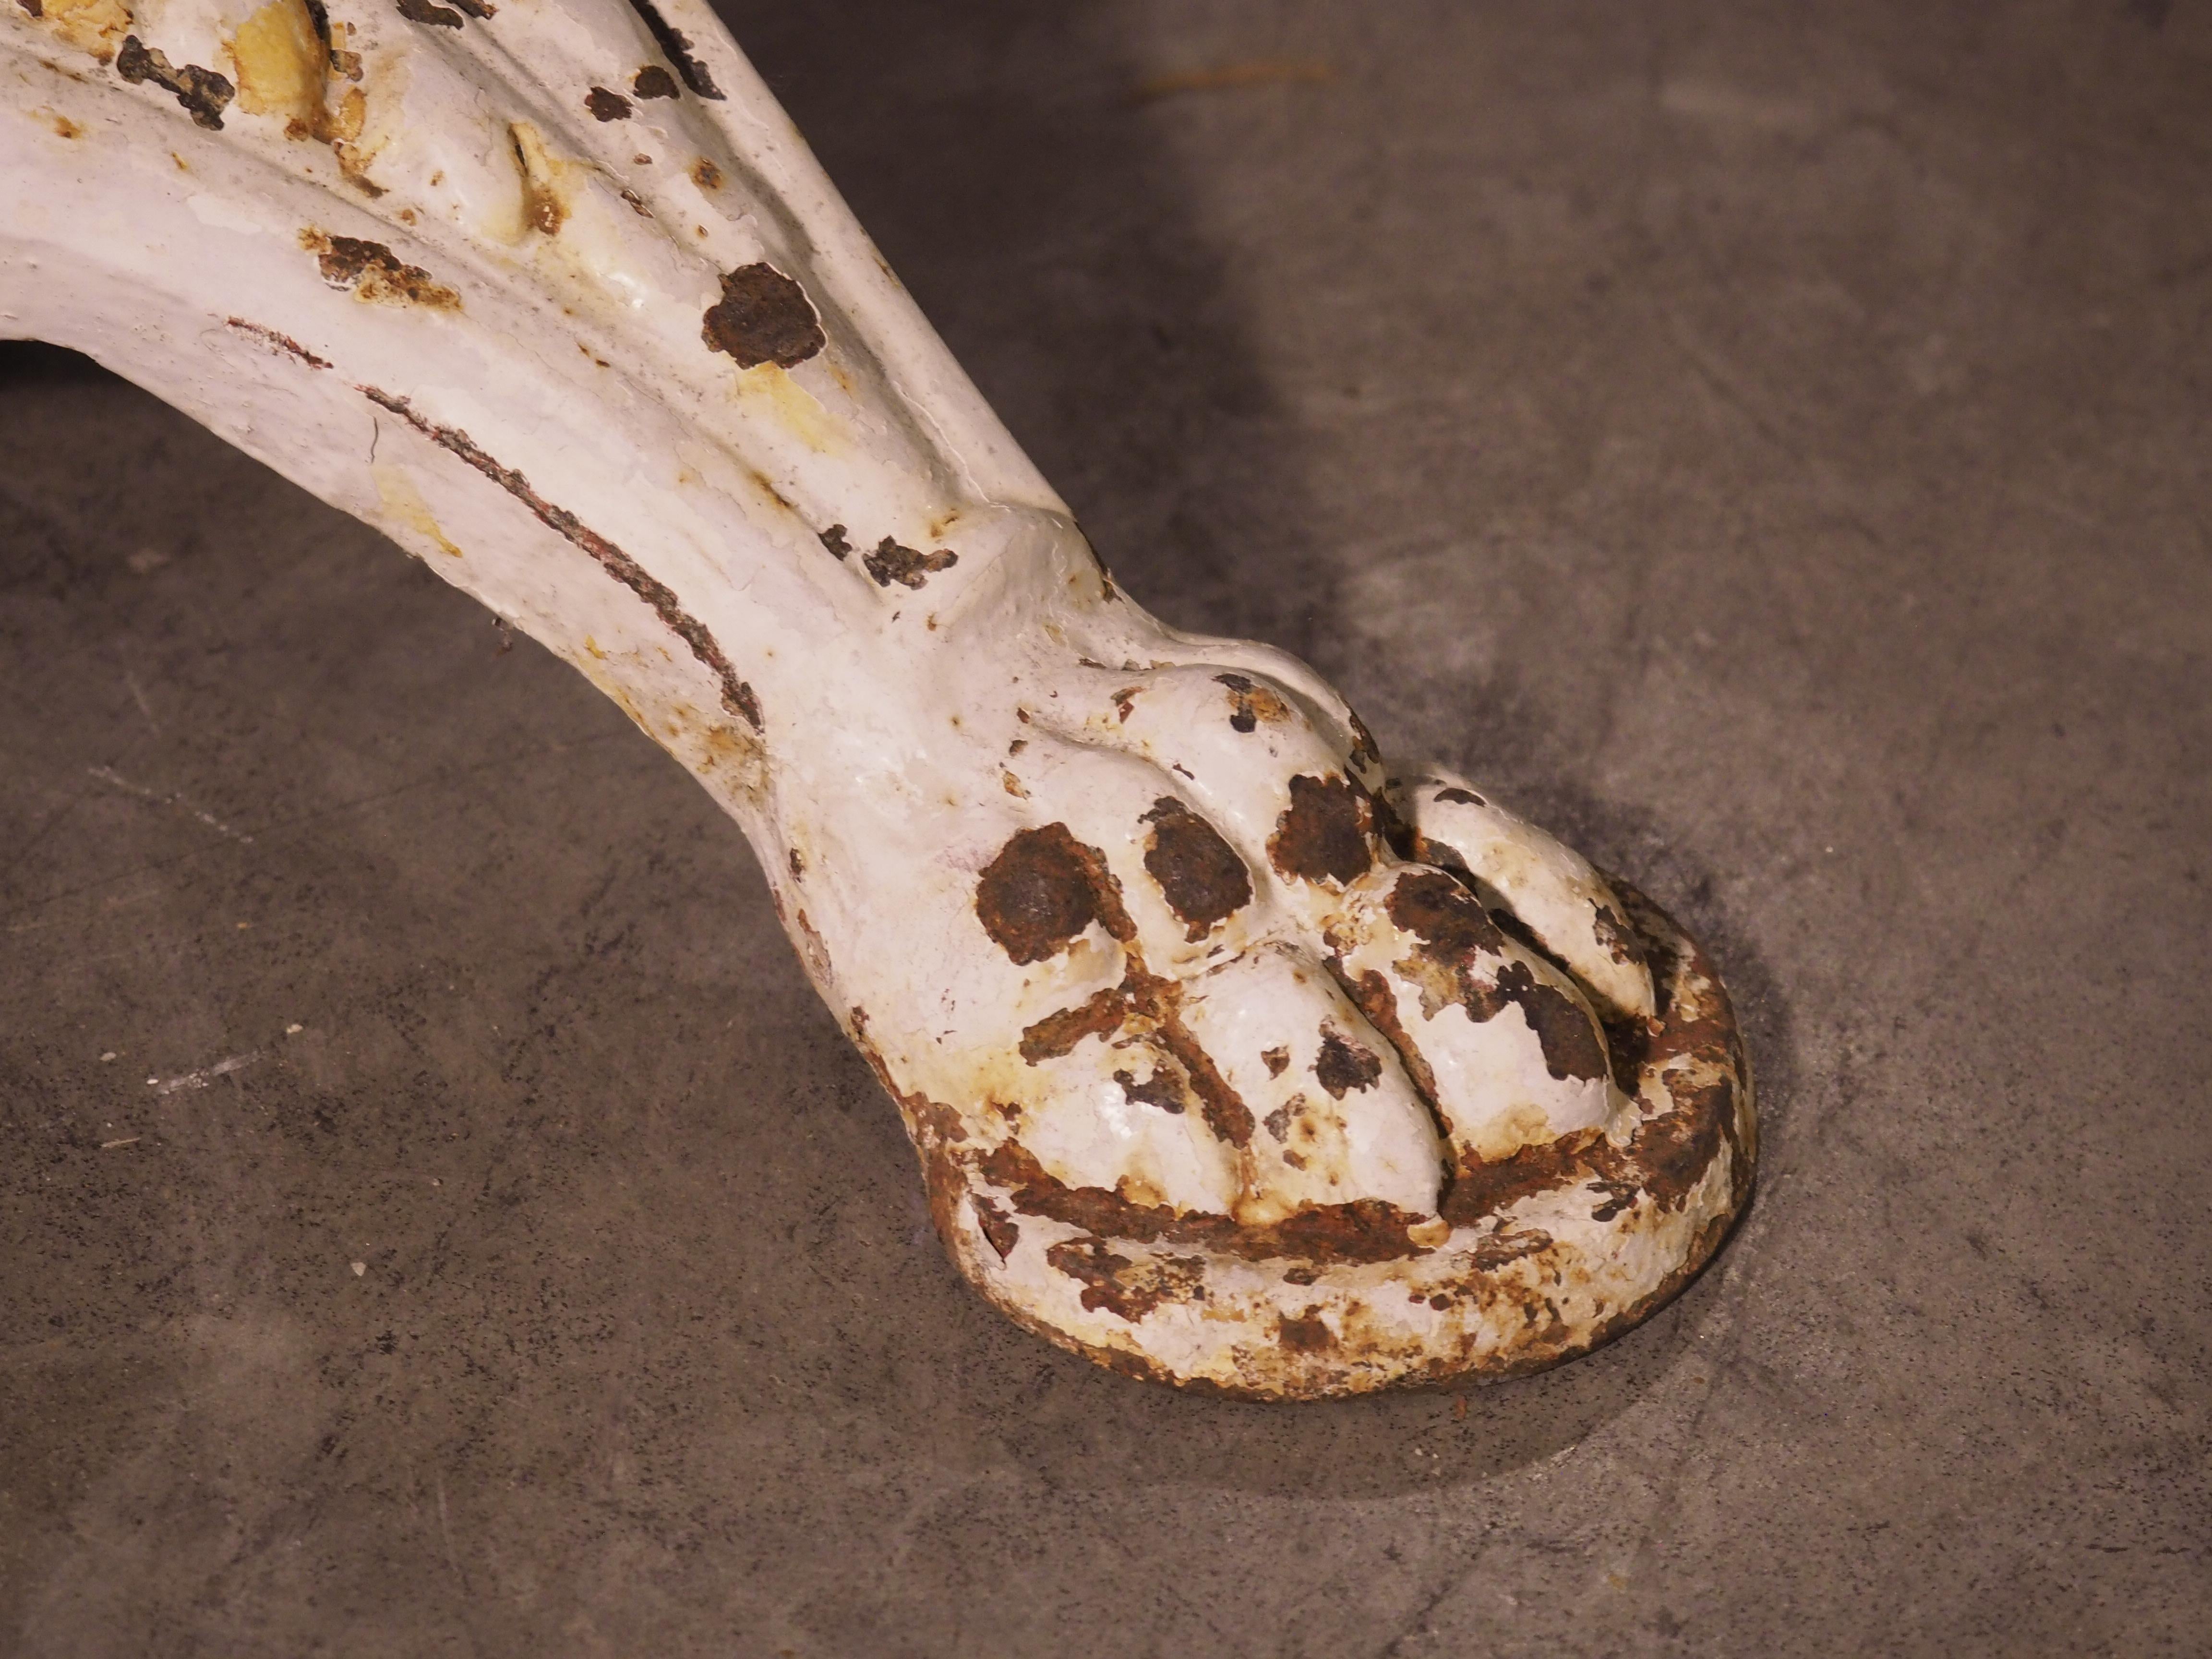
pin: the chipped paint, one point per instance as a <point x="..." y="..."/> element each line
<point x="374" y="274"/>
<point x="283" y="65"/>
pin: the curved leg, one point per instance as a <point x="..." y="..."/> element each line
<point x="1229" y="1060"/>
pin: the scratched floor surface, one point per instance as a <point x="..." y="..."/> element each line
<point x="436" y="1218"/>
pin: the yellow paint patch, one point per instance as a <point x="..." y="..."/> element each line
<point x="404" y="506"/>
<point x="282" y="64"/>
<point x="94" y="25"/>
<point x="1523" y="1124"/>
<point x="770" y="392"/>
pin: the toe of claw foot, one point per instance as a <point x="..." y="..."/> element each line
<point x="1529" y="1260"/>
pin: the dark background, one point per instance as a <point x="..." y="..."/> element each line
<point x="1770" y="448"/>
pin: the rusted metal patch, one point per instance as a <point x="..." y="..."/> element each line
<point x="1056" y="1034"/>
<point x="606" y="105"/>
<point x="1364" y="751"/>
<point x="375" y="274"/>
<point x="446" y="16"/>
<point x="1455" y="933"/>
<point x="763" y="316"/>
<point x="1037" y="897"/>
<point x="737" y="696"/>
<point x="203" y="94"/>
<point x="1619" y="940"/>
<point x="998" y="1227"/>
<point x="1322" y="835"/>
<point x="653" y="81"/>
<point x="675" y="47"/>
<point x="1250" y="702"/>
<point x="1365" y="1230"/>
<point x="1343" y="1065"/>
<point x="1128" y="1289"/>
<point x="908" y="567"/>
<point x="1163" y="1090"/>
<point x="1203" y="880"/>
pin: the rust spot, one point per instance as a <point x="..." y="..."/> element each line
<point x="798" y="864"/>
<point x="1572" y="1046"/>
<point x="1454" y="928"/>
<point x="834" y="539"/>
<point x="1619" y="940"/>
<point x="1366" y="1230"/>
<point x="637" y="204"/>
<point x="33" y="7"/>
<point x="1226" y="1113"/>
<point x="1364" y="753"/>
<point x="737" y="696"/>
<point x="1058" y="1034"/>
<point x="1344" y="1066"/>
<point x="653" y="81"/>
<point x="1162" y="1089"/>
<point x="1308" y="1334"/>
<point x="1459" y="797"/>
<point x="1373" y="997"/>
<point x="910" y="569"/>
<point x="606" y="105"/>
<point x="706" y="174"/>
<point x="1125" y="700"/>
<point x="1127" y="1289"/>
<point x="1480" y="1186"/>
<point x="677" y="49"/>
<point x="1397" y="834"/>
<point x="283" y="343"/>
<point x="1250" y="702"/>
<point x="1301" y="1276"/>
<point x="1043" y="888"/>
<point x="1277" y="1061"/>
<point x="763" y="316"/>
<point x="1497" y="1249"/>
<point x="997" y="1227"/>
<point x="1672" y="1153"/>
<point x="63" y="127"/>
<point x="1665" y="1160"/>
<point x="1323" y="833"/>
<point x="376" y="273"/>
<point x="203" y="94"/>
<point x="1442" y="914"/>
<point x="1200" y="874"/>
<point x="426" y="11"/>
<point x="1279" y="1121"/>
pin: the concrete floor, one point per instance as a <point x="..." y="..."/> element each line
<point x="1772" y="451"/>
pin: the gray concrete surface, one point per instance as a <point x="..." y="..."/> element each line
<point x="1770" y="447"/>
